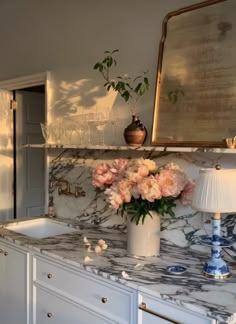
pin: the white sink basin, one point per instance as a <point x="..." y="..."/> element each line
<point x="41" y="228"/>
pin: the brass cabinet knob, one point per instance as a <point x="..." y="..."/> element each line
<point x="104" y="300"/>
<point x="5" y="253"/>
<point x="49" y="275"/>
<point x="143" y="307"/>
<point x="49" y="315"/>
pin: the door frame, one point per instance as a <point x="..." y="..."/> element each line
<point x="28" y="81"/>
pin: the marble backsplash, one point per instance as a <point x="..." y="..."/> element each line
<point x="75" y="166"/>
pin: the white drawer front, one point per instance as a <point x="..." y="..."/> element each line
<point x="50" y="309"/>
<point x="153" y="310"/>
<point x="112" y="301"/>
<point x="151" y="319"/>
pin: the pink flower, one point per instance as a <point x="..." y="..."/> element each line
<point x="102" y="168"/>
<point x="149" y="189"/>
<point x="102" y="175"/>
<point x="129" y="180"/>
<point x="120" y="165"/>
<point x="114" y="198"/>
<point x="151" y="165"/>
<point x="137" y="170"/>
<point x="124" y="189"/>
<point x="135" y="192"/>
<point x="186" y="196"/>
<point x="171" y="182"/>
<point x="172" y="166"/>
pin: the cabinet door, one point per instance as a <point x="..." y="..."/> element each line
<point x="153" y="310"/>
<point x="53" y="309"/>
<point x="14" y="303"/>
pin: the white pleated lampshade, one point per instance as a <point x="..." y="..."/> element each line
<point x="215" y="191"/>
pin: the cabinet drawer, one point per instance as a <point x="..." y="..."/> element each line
<point x="108" y="299"/>
<point x="51" y="309"/>
<point x="154" y="310"/>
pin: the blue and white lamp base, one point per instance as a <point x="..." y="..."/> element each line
<point x="216" y="267"/>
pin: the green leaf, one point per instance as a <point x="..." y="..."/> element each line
<point x="100" y="68"/>
<point x="96" y="66"/>
<point x="139" y="209"/>
<point x="137" y="87"/>
<point x="106" y="60"/>
<point x="120" y="86"/>
<point x="109" y="61"/>
<point x="146" y="82"/>
<point x="140" y="89"/>
<point x="114" y="51"/>
<point x="126" y="95"/>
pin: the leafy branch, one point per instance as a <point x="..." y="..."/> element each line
<point x="138" y="209"/>
<point x="128" y="88"/>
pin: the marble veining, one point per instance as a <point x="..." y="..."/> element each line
<point x="76" y="167"/>
<point x="216" y="299"/>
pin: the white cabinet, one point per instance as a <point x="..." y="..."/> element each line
<point x="35" y="289"/>
<point x="77" y="292"/>
<point x="156" y="311"/>
<point x="50" y="308"/>
<point x="14" y="285"/>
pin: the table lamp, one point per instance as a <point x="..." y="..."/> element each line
<point x="215" y="192"/>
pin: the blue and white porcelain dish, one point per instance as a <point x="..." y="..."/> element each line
<point x="207" y="240"/>
<point x="176" y="269"/>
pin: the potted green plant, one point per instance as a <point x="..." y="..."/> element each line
<point x="131" y="90"/>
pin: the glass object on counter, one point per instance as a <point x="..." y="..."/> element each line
<point x="45" y="128"/>
<point x="113" y="125"/>
<point x="101" y="122"/>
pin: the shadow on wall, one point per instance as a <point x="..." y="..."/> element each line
<point x="98" y="116"/>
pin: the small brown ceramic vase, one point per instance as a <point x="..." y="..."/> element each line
<point x="135" y="133"/>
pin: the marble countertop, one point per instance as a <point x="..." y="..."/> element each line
<point x="216" y="299"/>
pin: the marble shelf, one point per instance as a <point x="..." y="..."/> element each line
<point x="140" y="148"/>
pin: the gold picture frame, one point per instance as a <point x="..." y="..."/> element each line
<point x="195" y="104"/>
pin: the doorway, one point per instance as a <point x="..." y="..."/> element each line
<point x="29" y="162"/>
<point x="24" y="180"/>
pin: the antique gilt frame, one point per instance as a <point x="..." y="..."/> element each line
<point x="154" y="139"/>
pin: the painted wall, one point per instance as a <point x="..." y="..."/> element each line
<point x="69" y="37"/>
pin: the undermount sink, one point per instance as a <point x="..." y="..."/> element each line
<point x="41" y="228"/>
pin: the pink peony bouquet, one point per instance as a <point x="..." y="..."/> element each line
<point x="140" y="186"/>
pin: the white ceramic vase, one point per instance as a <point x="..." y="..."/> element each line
<point x="144" y="239"/>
